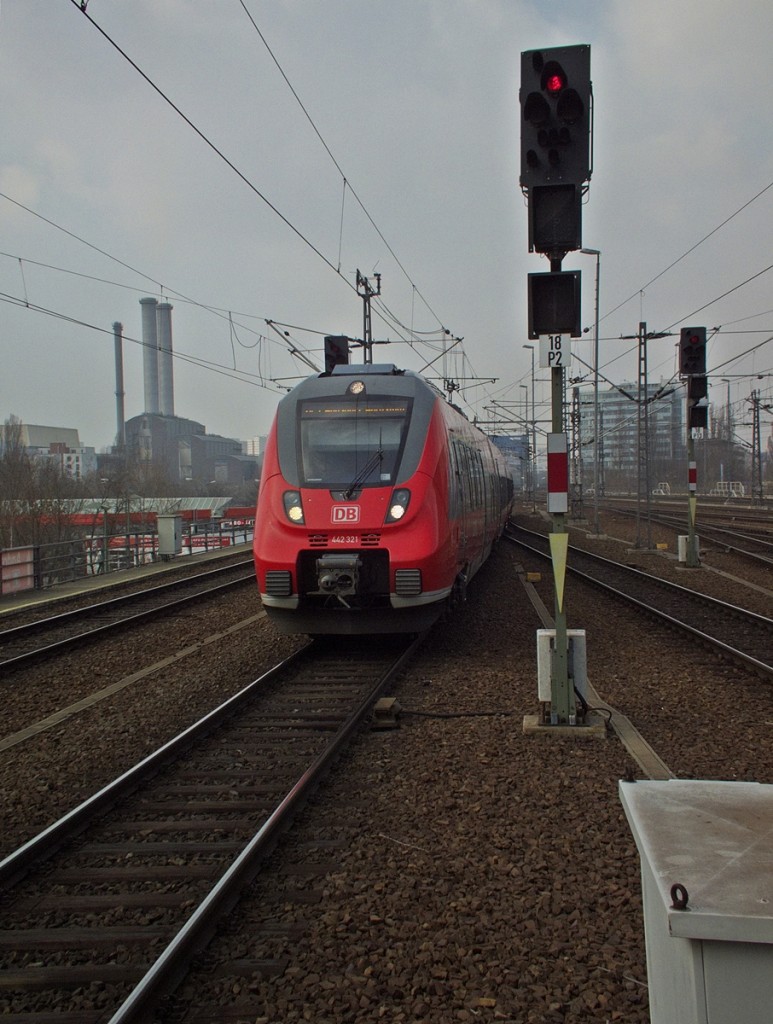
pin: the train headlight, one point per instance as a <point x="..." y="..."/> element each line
<point x="293" y="506"/>
<point x="398" y="505"/>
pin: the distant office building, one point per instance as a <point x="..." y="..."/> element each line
<point x="515" y="448"/>
<point x="217" y="459"/>
<point x="619" y="429"/>
<point x="256" y="445"/>
<point x="73" y="462"/>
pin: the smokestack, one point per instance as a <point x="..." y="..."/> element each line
<point x="165" y="367"/>
<point x="150" y="354"/>
<point x="120" y="435"/>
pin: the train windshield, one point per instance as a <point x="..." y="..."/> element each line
<point x="350" y="443"/>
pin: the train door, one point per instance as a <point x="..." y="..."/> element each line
<point x="459" y="499"/>
<point x="477" y="519"/>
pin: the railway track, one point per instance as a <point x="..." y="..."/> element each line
<point x="750" y="541"/>
<point x="725" y="511"/>
<point x="739" y="634"/>
<point x="104" y="910"/>
<point x="23" y="644"/>
<point x="758" y="547"/>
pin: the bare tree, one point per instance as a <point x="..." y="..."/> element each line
<point x="37" y="501"/>
<point x="15" y="482"/>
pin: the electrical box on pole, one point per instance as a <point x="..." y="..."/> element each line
<point x="555" y="218"/>
<point x="554" y="303"/>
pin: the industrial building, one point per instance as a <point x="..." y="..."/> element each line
<point x="58" y="445"/>
<point x="180" y="447"/>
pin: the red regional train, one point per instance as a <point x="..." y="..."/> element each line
<point x="378" y="503"/>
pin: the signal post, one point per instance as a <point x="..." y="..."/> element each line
<point x="556" y="165"/>
<point x="692" y="365"/>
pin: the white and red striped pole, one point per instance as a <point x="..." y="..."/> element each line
<point x="693" y="559"/>
<point x="558" y="474"/>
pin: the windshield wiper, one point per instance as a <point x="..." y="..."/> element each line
<point x="375" y="460"/>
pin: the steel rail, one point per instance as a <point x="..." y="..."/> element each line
<point x="760" y="667"/>
<point x="96" y="609"/>
<point x="714" y="533"/>
<point x="171" y="966"/>
<point x="47" y="842"/>
<point x="167" y="971"/>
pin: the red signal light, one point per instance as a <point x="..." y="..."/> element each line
<point x="553" y="78"/>
<point x="556" y="103"/>
<point x="692" y="351"/>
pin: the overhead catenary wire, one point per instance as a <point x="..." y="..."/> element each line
<point x="649" y="283"/>
<point x="692" y="249"/>
<point x="220" y="311"/>
<point x="205" y="138"/>
<point x="207" y="364"/>
<point x="336" y="163"/>
<point x="160" y="288"/>
<point x="224" y="314"/>
<point x="718" y="298"/>
<point x="251" y="185"/>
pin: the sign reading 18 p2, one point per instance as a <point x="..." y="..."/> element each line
<point x="554" y="351"/>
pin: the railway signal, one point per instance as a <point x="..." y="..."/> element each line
<point x="692" y="351"/>
<point x="556" y="116"/>
<point x="692" y="364"/>
<point x="336" y="351"/>
<point x="556" y="108"/>
<point x="698" y="417"/>
<point x="555" y="218"/>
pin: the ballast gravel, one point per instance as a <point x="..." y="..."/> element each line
<point x="452" y="869"/>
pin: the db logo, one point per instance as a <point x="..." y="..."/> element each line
<point x="346" y="514"/>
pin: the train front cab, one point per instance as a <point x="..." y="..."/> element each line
<point x="341" y="501"/>
<point x="368" y="518"/>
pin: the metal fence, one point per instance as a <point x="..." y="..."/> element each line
<point x="97" y="553"/>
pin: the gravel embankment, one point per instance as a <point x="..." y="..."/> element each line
<point x="478" y="874"/>
<point x="481" y="874"/>
<point x="43" y="777"/>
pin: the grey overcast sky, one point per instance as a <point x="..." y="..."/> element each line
<point x="417" y="101"/>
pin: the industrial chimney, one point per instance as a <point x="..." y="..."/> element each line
<point x="165" y="367"/>
<point x="150" y="355"/>
<point x="120" y="436"/>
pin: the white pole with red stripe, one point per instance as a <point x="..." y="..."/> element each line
<point x="693" y="559"/>
<point x="692" y="477"/>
